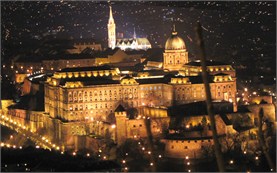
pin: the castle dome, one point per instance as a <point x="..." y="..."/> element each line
<point x="175" y="42"/>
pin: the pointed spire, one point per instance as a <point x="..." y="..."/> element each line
<point x="111" y="20"/>
<point x="174" y="32"/>
<point x="135" y="35"/>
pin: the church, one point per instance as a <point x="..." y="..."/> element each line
<point x="125" y="43"/>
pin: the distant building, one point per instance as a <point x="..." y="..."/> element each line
<point x="124" y="43"/>
<point x="175" y="55"/>
<point x="81" y="44"/>
<point x="98" y="91"/>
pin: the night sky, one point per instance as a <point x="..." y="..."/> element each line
<point x="232" y="30"/>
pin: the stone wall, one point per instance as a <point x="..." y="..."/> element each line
<point x="182" y="148"/>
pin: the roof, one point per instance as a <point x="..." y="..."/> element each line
<point x="175" y="42"/>
<point x="181" y="137"/>
<point x="152" y="81"/>
<point x="208" y="63"/>
<point x="243" y="109"/>
<point x="129" y="41"/>
<point x="93" y="68"/>
<point x="88" y="81"/>
<point x="105" y="53"/>
<point x="156" y="72"/>
<point x="225" y="119"/>
<point x="135" y="52"/>
<point x="29" y="59"/>
<point x="199" y="109"/>
<point x="70" y="57"/>
<point x="119" y="108"/>
<point x="85" y="40"/>
<point x="154" y="54"/>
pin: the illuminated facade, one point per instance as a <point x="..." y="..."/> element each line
<point x="125" y="43"/>
<point x="77" y="94"/>
<point x="111" y="31"/>
<point x="175" y="55"/>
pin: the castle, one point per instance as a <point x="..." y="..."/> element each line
<point x="96" y="100"/>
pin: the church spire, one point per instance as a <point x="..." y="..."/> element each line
<point x="135" y="35"/>
<point x="111" y="20"/>
<point x="111" y="30"/>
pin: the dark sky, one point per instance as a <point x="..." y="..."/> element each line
<point x="231" y="30"/>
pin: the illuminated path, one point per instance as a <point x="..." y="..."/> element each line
<point x="36" y="138"/>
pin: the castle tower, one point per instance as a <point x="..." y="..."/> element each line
<point x="175" y="54"/>
<point x="111" y="31"/>
<point x="121" y="124"/>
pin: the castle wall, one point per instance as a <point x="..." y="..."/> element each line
<point x="182" y="148"/>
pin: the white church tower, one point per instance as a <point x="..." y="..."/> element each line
<point x="111" y="31"/>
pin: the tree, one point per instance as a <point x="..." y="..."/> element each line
<point x="217" y="147"/>
<point x="261" y="139"/>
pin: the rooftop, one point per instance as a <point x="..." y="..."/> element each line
<point x="93" y="68"/>
<point x="208" y="63"/>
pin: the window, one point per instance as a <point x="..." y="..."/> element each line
<point x="186" y="147"/>
<point x="134" y="125"/>
<point x="172" y="147"/>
